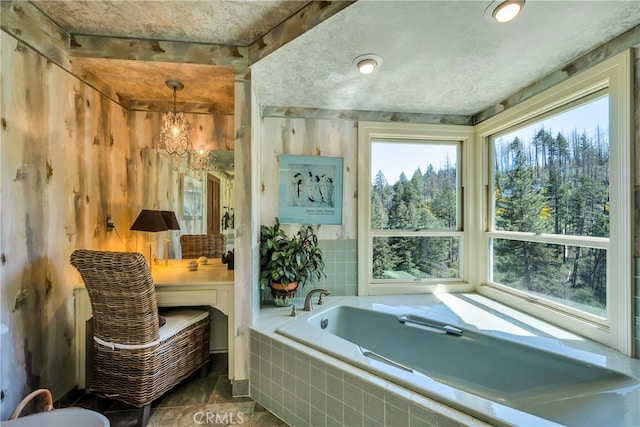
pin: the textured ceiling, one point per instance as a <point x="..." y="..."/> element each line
<point x="237" y="23"/>
<point x="140" y="84"/>
<point x="440" y="57"/>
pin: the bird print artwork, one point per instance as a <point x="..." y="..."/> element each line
<point x="310" y="189"/>
<point x="311" y="186"/>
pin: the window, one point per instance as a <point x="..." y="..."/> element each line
<point x="409" y="204"/>
<point x="558" y="194"/>
<point x="410" y="207"/>
<point x="536" y="214"/>
<point x="551" y="207"/>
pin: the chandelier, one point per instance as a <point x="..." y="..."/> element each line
<point x="200" y="160"/>
<point x="174" y="132"/>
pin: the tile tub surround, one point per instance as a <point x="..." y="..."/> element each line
<point x="328" y="385"/>
<point x="636" y="328"/>
<point x="305" y="387"/>
<point x="341" y="267"/>
<point x="314" y="391"/>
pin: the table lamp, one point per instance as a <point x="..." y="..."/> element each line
<point x="172" y="224"/>
<point x="150" y="221"/>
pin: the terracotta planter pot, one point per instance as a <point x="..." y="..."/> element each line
<point x="283" y="295"/>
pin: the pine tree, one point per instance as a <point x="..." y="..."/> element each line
<point x="528" y="265"/>
<point x="383" y="256"/>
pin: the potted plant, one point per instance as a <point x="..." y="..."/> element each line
<point x="288" y="262"/>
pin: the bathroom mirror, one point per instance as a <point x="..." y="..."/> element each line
<point x="223" y="161"/>
<point x="172" y="180"/>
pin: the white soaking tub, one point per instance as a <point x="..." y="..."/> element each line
<point x="498" y="369"/>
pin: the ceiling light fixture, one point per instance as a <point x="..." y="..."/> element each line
<point x="174" y="132"/>
<point x="504" y="11"/>
<point x="367" y="64"/>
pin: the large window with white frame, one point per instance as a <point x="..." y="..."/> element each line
<point x="558" y="223"/>
<point x="550" y="208"/>
<point x="532" y="207"/>
<point x="411" y="207"/>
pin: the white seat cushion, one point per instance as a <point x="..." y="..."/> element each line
<point x="179" y="319"/>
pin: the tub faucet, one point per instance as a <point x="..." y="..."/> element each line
<point x="307" y="300"/>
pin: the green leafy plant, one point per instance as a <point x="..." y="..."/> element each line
<point x="285" y="259"/>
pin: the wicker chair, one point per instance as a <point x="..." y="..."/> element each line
<point x="135" y="361"/>
<point x="197" y="245"/>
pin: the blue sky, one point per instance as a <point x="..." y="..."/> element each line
<point x="397" y="157"/>
<point x="394" y="158"/>
<point x="583" y="118"/>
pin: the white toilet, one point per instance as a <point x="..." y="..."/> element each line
<point x="65" y="417"/>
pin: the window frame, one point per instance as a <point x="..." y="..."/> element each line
<point x="370" y="132"/>
<point x="614" y="74"/>
<point x="589" y="242"/>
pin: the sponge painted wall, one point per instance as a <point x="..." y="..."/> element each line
<point x="65" y="166"/>
<point x="70" y="158"/>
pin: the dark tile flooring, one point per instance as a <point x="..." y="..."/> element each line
<point x="195" y="402"/>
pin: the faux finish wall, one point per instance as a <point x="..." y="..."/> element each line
<point x="65" y="167"/>
<point x="310" y="137"/>
<point x="313" y="137"/>
<point x="70" y="158"/>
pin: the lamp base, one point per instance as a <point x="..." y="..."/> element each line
<point x="150" y="259"/>
<point x="166" y="251"/>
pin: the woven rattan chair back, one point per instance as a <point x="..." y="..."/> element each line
<point x="122" y="295"/>
<point x="197" y="245"/>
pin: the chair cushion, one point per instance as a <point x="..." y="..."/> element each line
<point x="178" y="319"/>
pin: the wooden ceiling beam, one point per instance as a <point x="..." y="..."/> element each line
<point x="26" y="23"/>
<point x="83" y="46"/>
<point x="309" y="16"/>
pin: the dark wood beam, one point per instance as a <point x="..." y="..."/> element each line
<point x="26" y="23"/>
<point x="297" y="24"/>
<point x="161" y="51"/>
<point x="362" y="115"/>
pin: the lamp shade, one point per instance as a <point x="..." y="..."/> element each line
<point x="149" y="220"/>
<point x="171" y="220"/>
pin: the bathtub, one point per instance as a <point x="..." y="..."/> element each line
<point x="495" y="368"/>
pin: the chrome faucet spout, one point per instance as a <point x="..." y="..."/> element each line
<point x="307" y="300"/>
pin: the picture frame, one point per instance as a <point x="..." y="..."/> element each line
<point x="191" y="198"/>
<point x="310" y="190"/>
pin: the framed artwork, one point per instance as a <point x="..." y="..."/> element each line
<point x="310" y="190"/>
<point x="191" y="198"/>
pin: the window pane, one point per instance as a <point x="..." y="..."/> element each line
<point x="574" y="276"/>
<point x="553" y="176"/>
<point x="415" y="257"/>
<point x="414" y="186"/>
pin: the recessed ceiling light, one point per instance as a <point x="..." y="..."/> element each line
<point x="503" y="11"/>
<point x="367" y="64"/>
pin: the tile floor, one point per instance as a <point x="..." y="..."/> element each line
<point x="195" y="402"/>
